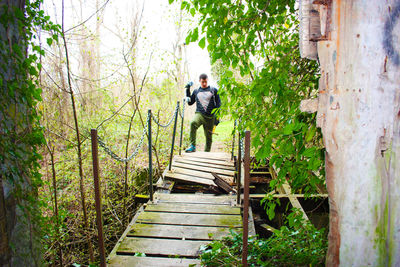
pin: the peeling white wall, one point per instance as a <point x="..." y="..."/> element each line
<point x="358" y="112"/>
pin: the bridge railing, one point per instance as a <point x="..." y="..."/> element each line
<point x="147" y="131"/>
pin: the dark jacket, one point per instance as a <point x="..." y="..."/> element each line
<point x="206" y="99"/>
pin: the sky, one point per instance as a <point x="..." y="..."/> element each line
<point x="157" y="34"/>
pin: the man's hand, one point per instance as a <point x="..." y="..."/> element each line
<point x="188" y="85"/>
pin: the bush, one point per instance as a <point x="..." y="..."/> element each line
<point x="299" y="244"/>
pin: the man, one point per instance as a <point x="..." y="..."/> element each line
<point x="207" y="99"/>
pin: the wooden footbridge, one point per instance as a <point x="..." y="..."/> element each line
<point x="171" y="229"/>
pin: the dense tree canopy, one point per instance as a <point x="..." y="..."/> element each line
<point x="254" y="46"/>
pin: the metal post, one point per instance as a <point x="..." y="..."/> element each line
<point x="150" y="157"/>
<point x="233" y="141"/>
<point x="183" y="116"/>
<point x="246" y="197"/>
<point x="97" y="192"/>
<point x="239" y="170"/>
<point x="173" y="139"/>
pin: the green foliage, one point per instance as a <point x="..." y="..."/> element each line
<point x="21" y="134"/>
<point x="298" y="244"/>
<point x="265" y="97"/>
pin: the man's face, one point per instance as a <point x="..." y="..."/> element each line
<point x="204" y="83"/>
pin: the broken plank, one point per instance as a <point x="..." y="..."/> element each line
<point x="188" y="178"/>
<point x="205" y="164"/>
<point x="204" y="169"/>
<point x="183" y="248"/>
<point x="216" y="162"/>
<point x="193" y="208"/>
<point x="268" y="227"/>
<point x="221" y="183"/>
<point x="293" y="199"/>
<point x="201" y="174"/>
<point x="190" y="219"/>
<point x="251" y="226"/>
<point x="182" y="232"/>
<point x="126" y="260"/>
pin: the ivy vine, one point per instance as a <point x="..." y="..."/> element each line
<point x="20" y="132"/>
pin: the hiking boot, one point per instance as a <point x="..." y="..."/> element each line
<point x="192" y="148"/>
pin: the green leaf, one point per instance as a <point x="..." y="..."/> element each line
<point x="202" y="42"/>
<point x="49" y="41"/>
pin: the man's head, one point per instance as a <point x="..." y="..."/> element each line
<point x="203" y="79"/>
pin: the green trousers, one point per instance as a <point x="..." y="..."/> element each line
<point x="208" y="124"/>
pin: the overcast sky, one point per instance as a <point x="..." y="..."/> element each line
<point x="156" y="37"/>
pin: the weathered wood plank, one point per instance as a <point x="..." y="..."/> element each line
<point x="183" y="248"/>
<point x="222" y="183"/>
<point x="201" y="174"/>
<point x="213" y="155"/>
<point x="193" y="208"/>
<point x="293" y="200"/>
<point x="211" y="161"/>
<point x="205" y="164"/>
<point x="124" y="234"/>
<point x="204" y="169"/>
<point x="179" y="231"/>
<point x="190" y="219"/>
<point x="123" y="261"/>
<point x="194" y="198"/>
<point x="188" y="178"/>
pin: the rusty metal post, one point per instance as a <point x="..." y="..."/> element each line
<point x="246" y="197"/>
<point x="173" y="139"/>
<point x="150" y="158"/>
<point x="239" y="170"/>
<point x="183" y="116"/>
<point x="97" y="195"/>
<point x="233" y="140"/>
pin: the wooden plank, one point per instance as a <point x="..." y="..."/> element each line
<point x="293" y="200"/>
<point x="201" y="174"/>
<point x="211" y="161"/>
<point x="189" y="178"/>
<point x="204" y="169"/>
<point x="114" y="251"/>
<point x="182" y="232"/>
<point x="221" y="183"/>
<point x="123" y="261"/>
<point x="268" y="227"/>
<point x="183" y="248"/>
<point x="194" y="198"/>
<point x="213" y="155"/>
<point x="204" y="164"/>
<point x="252" y="227"/>
<point x="193" y="208"/>
<point x="190" y="219"/>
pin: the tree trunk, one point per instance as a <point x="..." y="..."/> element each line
<point x="358" y="111"/>
<point x="19" y="238"/>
